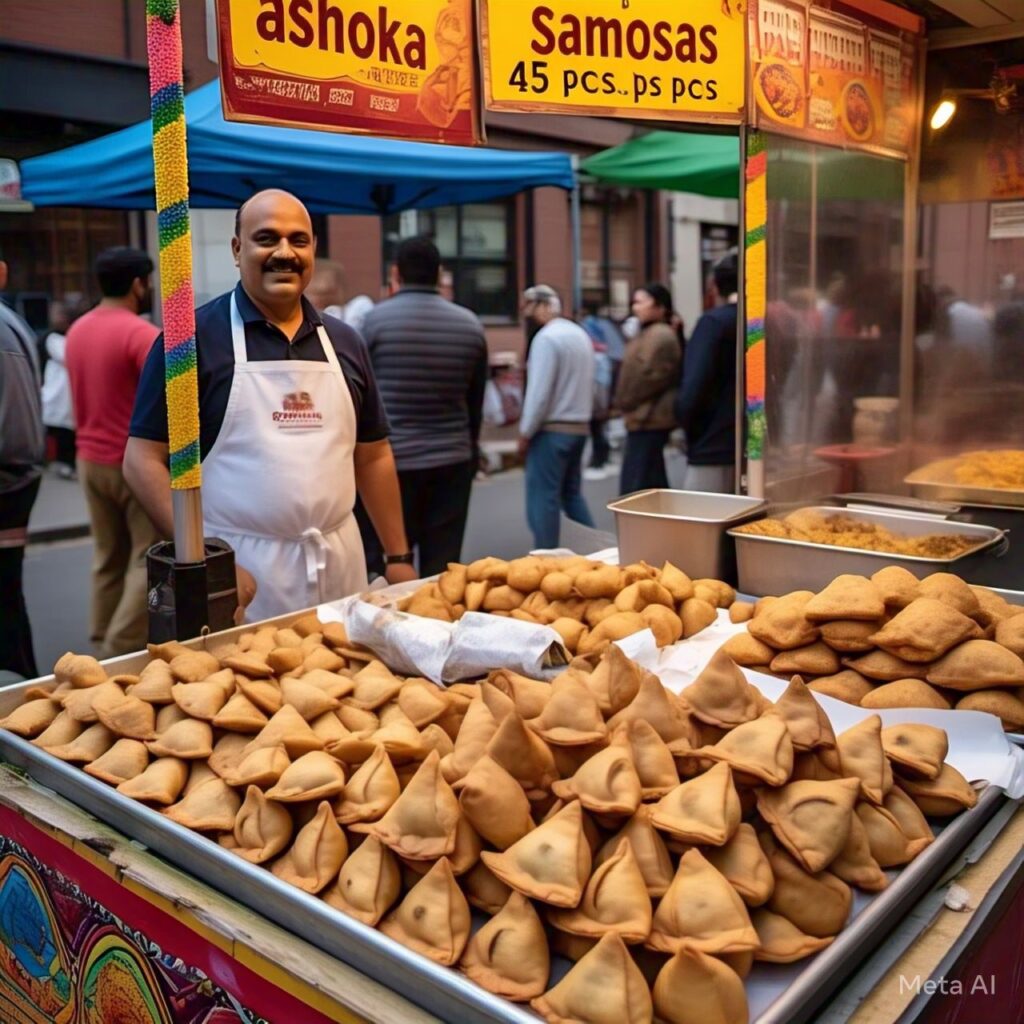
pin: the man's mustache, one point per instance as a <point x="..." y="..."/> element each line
<point x="282" y="267"/>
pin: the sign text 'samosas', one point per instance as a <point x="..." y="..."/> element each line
<point x="653" y="58"/>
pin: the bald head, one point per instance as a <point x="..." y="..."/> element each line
<point x="269" y="195"/>
<point x="274" y="249"/>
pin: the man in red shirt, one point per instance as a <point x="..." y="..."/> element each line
<point x="105" y="352"/>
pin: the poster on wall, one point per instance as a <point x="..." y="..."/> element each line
<point x="404" y="68"/>
<point x="840" y="72"/>
<point x="641" y="58"/>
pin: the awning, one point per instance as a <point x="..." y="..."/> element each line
<point x="331" y="173"/>
<point x="708" y="165"/>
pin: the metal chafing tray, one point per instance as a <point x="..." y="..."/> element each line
<point x="922" y="483"/>
<point x="442" y="991"/>
<point x="778" y="565"/>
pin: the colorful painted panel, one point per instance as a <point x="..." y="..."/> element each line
<point x="78" y="947"/>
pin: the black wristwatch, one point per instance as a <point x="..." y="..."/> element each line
<point x="406" y="559"/>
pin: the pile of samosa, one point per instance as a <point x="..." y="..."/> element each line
<point x="893" y="641"/>
<point x="587" y="603"/>
<point x="661" y="843"/>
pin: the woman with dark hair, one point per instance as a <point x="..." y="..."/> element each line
<point x="646" y="389"/>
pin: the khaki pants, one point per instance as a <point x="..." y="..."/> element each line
<point x="122" y="534"/>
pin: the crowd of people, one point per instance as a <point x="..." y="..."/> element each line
<point x="657" y="381"/>
<point x="339" y="438"/>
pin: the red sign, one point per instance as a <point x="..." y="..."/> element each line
<point x="404" y="68"/>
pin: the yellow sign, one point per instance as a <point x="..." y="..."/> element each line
<point x="676" y="59"/>
<point x="390" y="67"/>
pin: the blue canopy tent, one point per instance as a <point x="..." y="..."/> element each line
<point x="332" y="173"/>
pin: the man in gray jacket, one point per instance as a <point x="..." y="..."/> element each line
<point x="556" y="415"/>
<point x="22" y="451"/>
<point x="429" y="356"/>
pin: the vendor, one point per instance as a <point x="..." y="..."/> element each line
<point x="291" y="427"/>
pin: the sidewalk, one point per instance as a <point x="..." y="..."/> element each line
<point x="60" y="512"/>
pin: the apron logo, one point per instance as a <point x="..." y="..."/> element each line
<point x="298" y="413"/>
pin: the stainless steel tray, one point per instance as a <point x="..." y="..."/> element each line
<point x="444" y="992"/>
<point x="687" y="528"/>
<point x="440" y="990"/>
<point x="924" y="486"/>
<point x="826" y="972"/>
<point x="777" y="565"/>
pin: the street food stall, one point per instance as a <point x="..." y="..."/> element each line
<point x="746" y="766"/>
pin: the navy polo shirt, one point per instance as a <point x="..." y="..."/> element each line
<point x="263" y="341"/>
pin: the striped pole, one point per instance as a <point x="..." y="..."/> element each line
<point x="170" y="167"/>
<point x="755" y="295"/>
<point x="181" y="379"/>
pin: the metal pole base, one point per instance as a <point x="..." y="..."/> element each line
<point x="187" y="599"/>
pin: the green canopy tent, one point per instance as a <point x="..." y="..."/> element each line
<point x="708" y="165"/>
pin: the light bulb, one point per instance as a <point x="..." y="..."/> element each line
<point x="943" y="114"/>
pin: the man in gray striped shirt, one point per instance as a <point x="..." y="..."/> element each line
<point x="429" y="356"/>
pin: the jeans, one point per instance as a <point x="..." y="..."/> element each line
<point x="435" y="503"/>
<point x="553" y="483"/>
<point x="643" y="464"/>
<point x="16" y="653"/>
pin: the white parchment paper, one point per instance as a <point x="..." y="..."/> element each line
<point x="446" y="652"/>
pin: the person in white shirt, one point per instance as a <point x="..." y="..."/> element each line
<point x="327" y="293"/>
<point x="555" y="422"/>
<point x="58" y="414"/>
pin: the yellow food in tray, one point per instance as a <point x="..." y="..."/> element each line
<point x="1002" y="469"/>
<point x="846" y="531"/>
<point x="660" y="842"/>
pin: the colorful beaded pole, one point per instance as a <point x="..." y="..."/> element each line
<point x="170" y="167"/>
<point x="756" y="270"/>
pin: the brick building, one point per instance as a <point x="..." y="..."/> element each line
<point x="74" y="77"/>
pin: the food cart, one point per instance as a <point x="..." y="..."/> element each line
<point x="111" y="911"/>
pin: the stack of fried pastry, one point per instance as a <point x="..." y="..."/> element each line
<point x="662" y="843"/>
<point x="587" y="603"/>
<point x="893" y="641"/>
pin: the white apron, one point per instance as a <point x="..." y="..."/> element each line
<point x="279" y="482"/>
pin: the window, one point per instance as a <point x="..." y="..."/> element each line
<point x="51" y="253"/>
<point x="611" y="232"/>
<point x="477" y="247"/>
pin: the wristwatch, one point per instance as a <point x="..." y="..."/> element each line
<point x="404" y="559"/>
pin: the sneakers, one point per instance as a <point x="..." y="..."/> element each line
<point x="597" y="472"/>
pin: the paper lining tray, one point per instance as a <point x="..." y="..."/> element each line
<point x="779" y="995"/>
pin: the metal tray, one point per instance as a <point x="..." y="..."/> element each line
<point x="440" y="990"/>
<point x="778" y="565"/>
<point x="923" y="486"/>
<point x="687" y="528"/>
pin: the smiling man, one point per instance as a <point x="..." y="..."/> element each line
<point x="291" y="427"/>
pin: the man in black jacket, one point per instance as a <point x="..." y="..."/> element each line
<point x="706" y="399"/>
<point x="429" y="356"/>
<point x="22" y="450"/>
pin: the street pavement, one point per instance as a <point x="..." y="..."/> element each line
<point x="58" y="559"/>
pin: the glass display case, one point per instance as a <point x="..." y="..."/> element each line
<point x="833" y="320"/>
